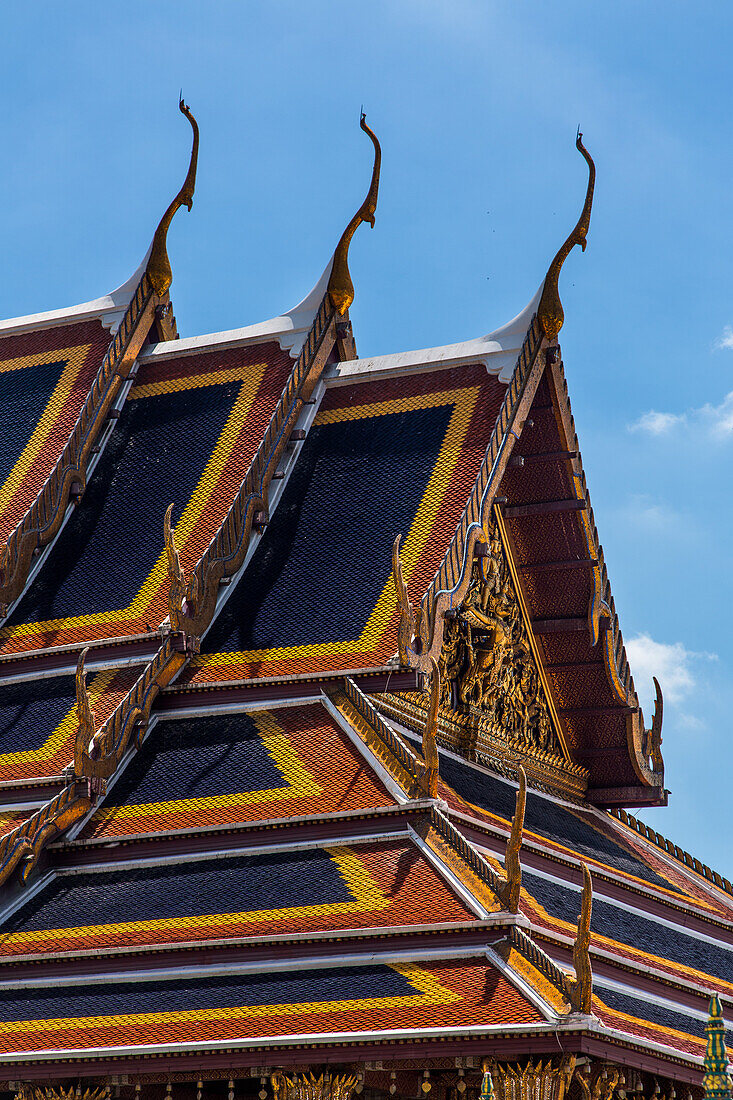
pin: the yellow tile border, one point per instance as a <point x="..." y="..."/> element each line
<point x="463" y="401"/>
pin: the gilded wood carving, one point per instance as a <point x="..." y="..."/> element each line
<point x="340" y="286"/>
<point x="581" y="988"/>
<point x="550" y="311"/>
<point x="487" y="665"/>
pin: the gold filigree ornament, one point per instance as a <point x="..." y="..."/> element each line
<point x="550" y="312"/>
<point x="305" y="1086"/>
<point x="581" y="987"/>
<point x="487" y="664"/>
<point x="159" y="267"/>
<point x="42" y="1092"/>
<point x="340" y="286"/>
<point x="540" y="1080"/>
<point x="597" y="1082"/>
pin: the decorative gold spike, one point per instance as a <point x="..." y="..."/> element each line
<point x="340" y="286"/>
<point x="406" y="629"/>
<point x="581" y="989"/>
<point x="85" y="715"/>
<point x="550" y="312"/>
<point x="429" y="746"/>
<point x="512" y="889"/>
<point x="159" y="267"/>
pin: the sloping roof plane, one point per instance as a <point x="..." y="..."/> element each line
<point x="317" y="732"/>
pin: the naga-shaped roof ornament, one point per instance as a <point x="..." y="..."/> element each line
<point x="550" y="312"/>
<point x="581" y="987"/>
<point x="159" y="267"/>
<point x="340" y="286"/>
<point x="511" y="890"/>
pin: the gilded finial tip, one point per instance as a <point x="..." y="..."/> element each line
<point x="549" y="311"/>
<point x="340" y="286"/>
<point x="159" y="268"/>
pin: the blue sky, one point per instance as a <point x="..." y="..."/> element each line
<point x="476" y="104"/>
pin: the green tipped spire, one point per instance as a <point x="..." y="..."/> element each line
<point x="487" y="1086"/>
<point x="716" y="1082"/>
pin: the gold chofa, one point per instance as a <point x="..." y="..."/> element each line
<point x="159" y="267"/>
<point x="550" y="312"/>
<point x="340" y="286"/>
<point x="581" y="988"/>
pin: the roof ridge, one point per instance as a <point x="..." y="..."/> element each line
<point x="672" y="849"/>
<point x="192" y="606"/>
<point x="44" y="518"/>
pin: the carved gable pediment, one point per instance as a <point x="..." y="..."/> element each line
<point x="488" y="665"/>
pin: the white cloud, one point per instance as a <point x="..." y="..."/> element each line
<point x="718" y="418"/>
<point x="725" y="341"/>
<point x="656" y="423"/>
<point x="654" y="517"/>
<point x="672" y="664"/>
<point x="711" y="421"/>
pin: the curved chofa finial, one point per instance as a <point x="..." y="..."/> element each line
<point x="429" y="745"/>
<point x="512" y="889"/>
<point x="340" y="286"/>
<point x="85" y="716"/>
<point x="581" y="989"/>
<point x="550" y="312"/>
<point x="716" y="1080"/>
<point x="159" y="267"/>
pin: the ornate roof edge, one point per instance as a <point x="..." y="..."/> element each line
<point x="521" y="954"/>
<point x="404" y="766"/>
<point x="109" y="309"/>
<point x="450" y="584"/>
<point x="547" y="772"/>
<point x="603" y="623"/>
<point x="290" y="329"/>
<point x="192" y="604"/>
<point x="144" y="306"/>
<point x="690" y="863"/>
<point x="451" y="581"/>
<point x="45" y="517"/>
<point x="497" y="351"/>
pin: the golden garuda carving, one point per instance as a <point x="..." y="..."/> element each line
<point x="487" y="665"/>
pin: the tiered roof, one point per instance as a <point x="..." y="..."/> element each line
<point x="280" y="788"/>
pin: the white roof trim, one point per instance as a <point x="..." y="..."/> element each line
<point x="498" y="352"/>
<point x="110" y="309"/>
<point x="289" y="329"/>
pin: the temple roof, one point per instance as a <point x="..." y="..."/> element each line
<point x="316" y="723"/>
